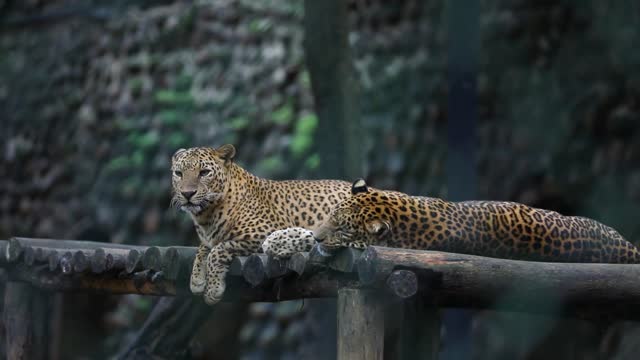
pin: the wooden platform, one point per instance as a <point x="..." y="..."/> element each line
<point x="364" y="282"/>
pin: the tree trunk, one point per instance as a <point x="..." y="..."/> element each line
<point x="335" y="89"/>
<point x="338" y="139"/>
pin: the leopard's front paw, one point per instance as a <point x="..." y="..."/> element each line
<point x="276" y="248"/>
<point x="197" y="285"/>
<point x="286" y="242"/>
<point x="214" y="292"/>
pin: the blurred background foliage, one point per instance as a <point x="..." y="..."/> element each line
<point x="96" y="95"/>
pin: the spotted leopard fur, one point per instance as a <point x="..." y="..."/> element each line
<point x="488" y="228"/>
<point x="283" y="243"/>
<point x="233" y="210"/>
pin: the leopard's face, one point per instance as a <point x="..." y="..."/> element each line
<point x="361" y="220"/>
<point x="198" y="177"/>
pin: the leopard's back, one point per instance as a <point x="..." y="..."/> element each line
<point x="514" y="230"/>
<point x="306" y="203"/>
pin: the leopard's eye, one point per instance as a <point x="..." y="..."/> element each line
<point x="177" y="173"/>
<point x="204" y="172"/>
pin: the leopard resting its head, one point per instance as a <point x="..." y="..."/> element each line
<point x="356" y="222"/>
<point x="199" y="177"/>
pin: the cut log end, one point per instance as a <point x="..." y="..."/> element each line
<point x="54" y="260"/>
<point x="254" y="271"/>
<point x="29" y="256"/>
<point x="133" y="259"/>
<point x="345" y="260"/>
<point x="41" y="255"/>
<point x="298" y="263"/>
<point x="152" y="259"/>
<point x="3" y="251"/>
<point x="320" y="254"/>
<point x="276" y="268"/>
<point x="403" y="283"/>
<point x="366" y="266"/>
<point x="235" y="269"/>
<point x="80" y="262"/>
<point x="14" y="250"/>
<point x="114" y="262"/>
<point x="171" y="263"/>
<point x="66" y="263"/>
<point x="99" y="261"/>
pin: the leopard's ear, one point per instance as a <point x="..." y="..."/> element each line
<point x="226" y="152"/>
<point x="178" y="152"/>
<point x="359" y="186"/>
<point x="378" y="228"/>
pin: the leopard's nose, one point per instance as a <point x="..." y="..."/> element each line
<point x="322" y="233"/>
<point x="188" y="194"/>
<point x="318" y="237"/>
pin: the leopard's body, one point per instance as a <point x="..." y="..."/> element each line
<point x="488" y="228"/>
<point x="234" y="210"/>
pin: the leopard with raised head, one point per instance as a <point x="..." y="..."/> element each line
<point x="233" y="210"/>
<point x="488" y="228"/>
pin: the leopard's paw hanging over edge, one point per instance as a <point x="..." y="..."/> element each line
<point x="284" y="243"/>
<point x="198" y="280"/>
<point x="216" y="285"/>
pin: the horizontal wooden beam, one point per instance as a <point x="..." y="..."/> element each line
<point x="67" y="265"/>
<point x="174" y="262"/>
<point x="443" y="279"/>
<point x="319" y="285"/>
<point x="136" y="283"/>
<point x="450" y="279"/>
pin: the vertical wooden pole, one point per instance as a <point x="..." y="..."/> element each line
<point x="41" y="310"/>
<point x="18" y="321"/>
<point x="394" y="324"/>
<point x="420" y="335"/>
<point x="56" y="326"/>
<point x="338" y="139"/>
<point x="335" y="89"/>
<point x="463" y="45"/>
<point x="360" y="325"/>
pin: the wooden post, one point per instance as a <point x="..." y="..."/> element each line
<point x="18" y="321"/>
<point x="338" y="138"/>
<point x="335" y="88"/>
<point x="168" y="329"/>
<point x="41" y="310"/>
<point x="360" y="325"/>
<point x="420" y="334"/>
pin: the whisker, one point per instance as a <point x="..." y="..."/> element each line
<point x="175" y="202"/>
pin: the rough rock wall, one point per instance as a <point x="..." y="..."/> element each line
<point x="95" y="100"/>
<point x="95" y="108"/>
